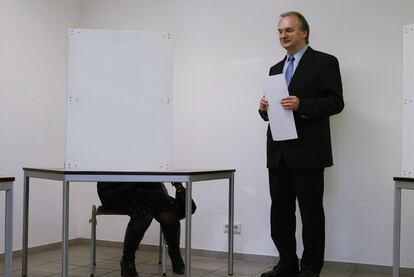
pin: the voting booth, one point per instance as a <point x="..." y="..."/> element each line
<point x="408" y="103"/>
<point x="119" y="100"/>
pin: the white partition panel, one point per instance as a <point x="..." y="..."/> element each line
<point x="119" y="113"/>
<point x="408" y="103"/>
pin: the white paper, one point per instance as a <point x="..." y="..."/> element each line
<point x="282" y="123"/>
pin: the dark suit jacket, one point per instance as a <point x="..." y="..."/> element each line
<point x="317" y="83"/>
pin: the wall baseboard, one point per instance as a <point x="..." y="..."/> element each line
<point x="46" y="247"/>
<point x="331" y="265"/>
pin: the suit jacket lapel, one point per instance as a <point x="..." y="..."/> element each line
<point x="278" y="69"/>
<point x="303" y="64"/>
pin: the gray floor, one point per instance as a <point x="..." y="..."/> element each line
<point x="47" y="263"/>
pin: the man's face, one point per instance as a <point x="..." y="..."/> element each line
<point x="291" y="37"/>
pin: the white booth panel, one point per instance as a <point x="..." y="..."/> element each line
<point x="119" y="102"/>
<point x="408" y="103"/>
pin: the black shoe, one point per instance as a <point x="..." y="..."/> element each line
<point x="128" y="268"/>
<point x="177" y="262"/>
<point x="281" y="270"/>
<point x="307" y="273"/>
<point x="178" y="268"/>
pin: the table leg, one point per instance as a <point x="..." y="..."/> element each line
<point x="164" y="255"/>
<point x="188" y="208"/>
<point x="231" y="224"/>
<point x="92" y="262"/>
<point x="25" y="224"/>
<point x="8" y="246"/>
<point x="397" y="232"/>
<point x="65" y="228"/>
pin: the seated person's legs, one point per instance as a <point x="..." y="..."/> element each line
<point x="143" y="202"/>
<point x="171" y="229"/>
<point x="133" y="235"/>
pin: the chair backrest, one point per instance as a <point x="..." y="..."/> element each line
<point x="101" y="210"/>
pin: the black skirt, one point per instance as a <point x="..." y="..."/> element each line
<point x="135" y="199"/>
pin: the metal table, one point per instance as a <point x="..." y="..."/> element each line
<point x="399" y="184"/>
<point x="6" y="184"/>
<point x="175" y="175"/>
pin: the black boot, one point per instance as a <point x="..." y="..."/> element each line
<point x="133" y="236"/>
<point x="171" y="228"/>
<point x="128" y="268"/>
<point x="177" y="261"/>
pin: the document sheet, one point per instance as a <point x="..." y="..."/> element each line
<point x="282" y="123"/>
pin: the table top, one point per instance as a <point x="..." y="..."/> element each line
<point x="6" y="179"/>
<point x="404" y="179"/>
<point x="190" y="172"/>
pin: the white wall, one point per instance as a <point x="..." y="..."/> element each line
<point x="223" y="50"/>
<point x="33" y="51"/>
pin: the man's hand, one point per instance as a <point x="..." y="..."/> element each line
<point x="263" y="104"/>
<point x="290" y="103"/>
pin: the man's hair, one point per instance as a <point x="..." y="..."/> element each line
<point x="304" y="26"/>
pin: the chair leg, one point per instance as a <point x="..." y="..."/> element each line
<point x="92" y="264"/>
<point x="160" y="248"/>
<point x="164" y="254"/>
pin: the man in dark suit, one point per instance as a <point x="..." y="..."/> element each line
<point x="296" y="166"/>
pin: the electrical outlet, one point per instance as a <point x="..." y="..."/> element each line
<point x="236" y="228"/>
